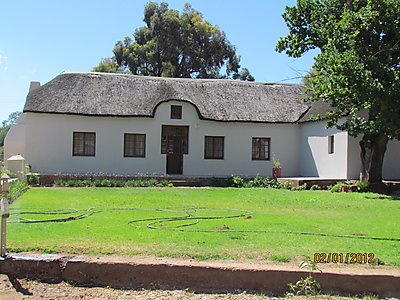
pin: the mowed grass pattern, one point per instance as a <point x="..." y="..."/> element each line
<point x="274" y="214"/>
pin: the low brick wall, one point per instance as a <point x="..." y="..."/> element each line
<point x="194" y="276"/>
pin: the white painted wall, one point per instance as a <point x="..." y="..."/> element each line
<point x="14" y="142"/>
<point x="391" y="163"/>
<point x="315" y="161"/>
<point x="45" y="140"/>
<point x="354" y="159"/>
<point x="49" y="144"/>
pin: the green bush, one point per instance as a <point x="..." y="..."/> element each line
<point x="315" y="187"/>
<point x="258" y="181"/>
<point x="285" y="186"/>
<point x="112" y="183"/>
<point x="336" y="187"/>
<point x="33" y="179"/>
<point x="363" y="186"/>
<point x="237" y="181"/>
<point x="302" y="187"/>
<point x="17" y="188"/>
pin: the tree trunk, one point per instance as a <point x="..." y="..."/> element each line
<point x="373" y="150"/>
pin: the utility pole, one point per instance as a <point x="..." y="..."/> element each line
<point x="4" y="212"/>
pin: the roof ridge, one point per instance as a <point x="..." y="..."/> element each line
<point x="215" y="80"/>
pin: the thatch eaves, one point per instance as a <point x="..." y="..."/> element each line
<point x="104" y="94"/>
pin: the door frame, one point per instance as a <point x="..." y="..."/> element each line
<point x="169" y="135"/>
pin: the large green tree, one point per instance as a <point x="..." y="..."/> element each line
<point x="176" y="45"/>
<point x="357" y="69"/>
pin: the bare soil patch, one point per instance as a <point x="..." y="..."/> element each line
<point x="19" y="289"/>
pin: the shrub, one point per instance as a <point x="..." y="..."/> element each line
<point x="17" y="188"/>
<point x="33" y="179"/>
<point x="265" y="182"/>
<point x="286" y="186"/>
<point x="112" y="183"/>
<point x="258" y="181"/>
<point x="336" y="187"/>
<point x="302" y="187"/>
<point x="237" y="181"/>
<point x="315" y="187"/>
<point x="363" y="186"/>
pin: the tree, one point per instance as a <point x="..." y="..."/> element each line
<point x="175" y="45"/>
<point x="244" y="75"/>
<point x="107" y="65"/>
<point x="6" y="124"/>
<point x="357" y="70"/>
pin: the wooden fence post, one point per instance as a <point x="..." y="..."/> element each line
<point x="4" y="213"/>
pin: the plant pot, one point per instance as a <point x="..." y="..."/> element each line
<point x="276" y="172"/>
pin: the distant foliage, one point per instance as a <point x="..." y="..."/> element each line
<point x="174" y="44"/>
<point x="5" y="126"/>
<point x="151" y="182"/>
<point x="108" y="65"/>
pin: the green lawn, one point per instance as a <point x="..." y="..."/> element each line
<point x="261" y="232"/>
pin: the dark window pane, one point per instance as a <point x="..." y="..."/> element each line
<point x="84" y="144"/>
<point x="214" y="147"/>
<point x="176" y="112"/>
<point x="331" y="144"/>
<point x="260" y="148"/>
<point x="134" y="145"/>
<point x="170" y="133"/>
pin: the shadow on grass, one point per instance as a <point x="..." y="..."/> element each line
<point x="384" y="197"/>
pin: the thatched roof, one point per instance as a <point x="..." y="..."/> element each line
<point x="103" y="94"/>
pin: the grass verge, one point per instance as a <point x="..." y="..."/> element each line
<point x="269" y="225"/>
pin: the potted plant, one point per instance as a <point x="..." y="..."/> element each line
<point x="276" y="168"/>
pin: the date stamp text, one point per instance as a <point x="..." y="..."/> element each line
<point x="344" y="258"/>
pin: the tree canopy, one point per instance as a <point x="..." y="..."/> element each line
<point x="5" y="126"/>
<point x="176" y="45"/>
<point x="357" y="70"/>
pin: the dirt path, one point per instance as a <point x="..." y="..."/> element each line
<point x="18" y="289"/>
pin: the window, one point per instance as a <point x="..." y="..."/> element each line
<point x="171" y="133"/>
<point x="176" y="112"/>
<point x="134" y="145"/>
<point x="260" y="148"/>
<point x="214" y="147"/>
<point x="331" y="144"/>
<point x="84" y="144"/>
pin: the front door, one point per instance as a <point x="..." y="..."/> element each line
<point x="175" y="156"/>
<point x="174" y="143"/>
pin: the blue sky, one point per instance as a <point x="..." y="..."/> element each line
<point x="40" y="39"/>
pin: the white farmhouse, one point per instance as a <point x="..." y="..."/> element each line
<point x="83" y="123"/>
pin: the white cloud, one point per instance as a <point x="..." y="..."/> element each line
<point x="3" y="64"/>
<point x="3" y="58"/>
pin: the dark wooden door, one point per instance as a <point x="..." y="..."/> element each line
<point x="175" y="155"/>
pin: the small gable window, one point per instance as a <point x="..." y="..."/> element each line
<point x="331" y="144"/>
<point x="176" y="112"/>
<point x="134" y="145"/>
<point x="260" y="148"/>
<point x="84" y="144"/>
